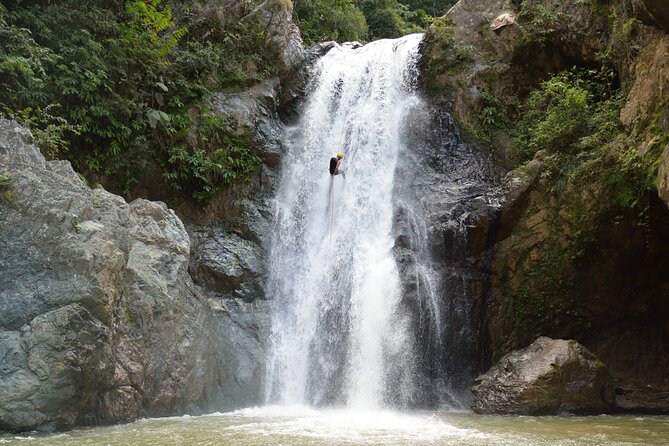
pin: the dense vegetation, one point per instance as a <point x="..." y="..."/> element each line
<point x="364" y="20"/>
<point x="120" y="88"/>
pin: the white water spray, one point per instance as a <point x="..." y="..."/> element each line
<point x="339" y="335"/>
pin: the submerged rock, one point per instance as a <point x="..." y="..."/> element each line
<point x="550" y="377"/>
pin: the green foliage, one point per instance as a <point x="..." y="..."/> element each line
<point x="571" y="112"/>
<point x="110" y="84"/>
<point x="539" y="22"/>
<point x="206" y="155"/>
<point x="390" y="18"/>
<point x="439" y="41"/>
<point x="50" y="131"/>
<point x="575" y="116"/>
<point x="383" y="17"/>
<point x="6" y="194"/>
<point x="345" y="20"/>
<point x="22" y="66"/>
<point x="321" y="20"/>
<point x="493" y="117"/>
<point x="632" y="177"/>
<point x="442" y="33"/>
<point x="149" y="23"/>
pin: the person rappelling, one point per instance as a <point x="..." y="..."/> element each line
<point x="335" y="163"/>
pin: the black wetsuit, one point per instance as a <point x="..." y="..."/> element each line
<point x="333" y="165"/>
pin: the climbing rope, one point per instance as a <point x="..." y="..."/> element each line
<point x="332" y="220"/>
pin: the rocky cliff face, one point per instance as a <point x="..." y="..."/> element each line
<point x="568" y="260"/>
<point x="443" y="184"/>
<point x="100" y="319"/>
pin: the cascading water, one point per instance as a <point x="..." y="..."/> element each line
<point x="372" y="302"/>
<point x="339" y="335"/>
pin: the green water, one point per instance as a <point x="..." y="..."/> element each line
<point x="301" y="426"/>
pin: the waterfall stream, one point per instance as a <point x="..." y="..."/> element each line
<point x="364" y="314"/>
<point x="339" y="336"/>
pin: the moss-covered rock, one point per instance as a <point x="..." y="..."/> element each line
<point x="484" y="70"/>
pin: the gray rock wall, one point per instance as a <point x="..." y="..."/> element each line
<point x="99" y="319"/>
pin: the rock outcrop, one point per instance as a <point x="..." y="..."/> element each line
<point x="283" y="36"/>
<point x="443" y="184"/>
<point x="574" y="264"/>
<point x="549" y="377"/>
<point x="100" y="321"/>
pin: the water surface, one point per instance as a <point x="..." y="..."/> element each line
<point x="298" y="426"/>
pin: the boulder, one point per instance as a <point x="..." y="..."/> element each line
<point x="227" y="264"/>
<point x="550" y="377"/>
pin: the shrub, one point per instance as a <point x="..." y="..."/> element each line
<point x="571" y="112"/>
<point x="321" y="20"/>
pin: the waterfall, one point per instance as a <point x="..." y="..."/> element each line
<point x="372" y="279"/>
<point x="339" y="335"/>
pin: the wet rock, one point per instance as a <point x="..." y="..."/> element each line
<point x="321" y="49"/>
<point x="550" y="377"/>
<point x="352" y="45"/>
<point x="242" y="332"/>
<point x="633" y="398"/>
<point x="227" y="264"/>
<point x="443" y="184"/>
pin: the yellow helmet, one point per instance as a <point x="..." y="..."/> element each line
<point x="340" y="155"/>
